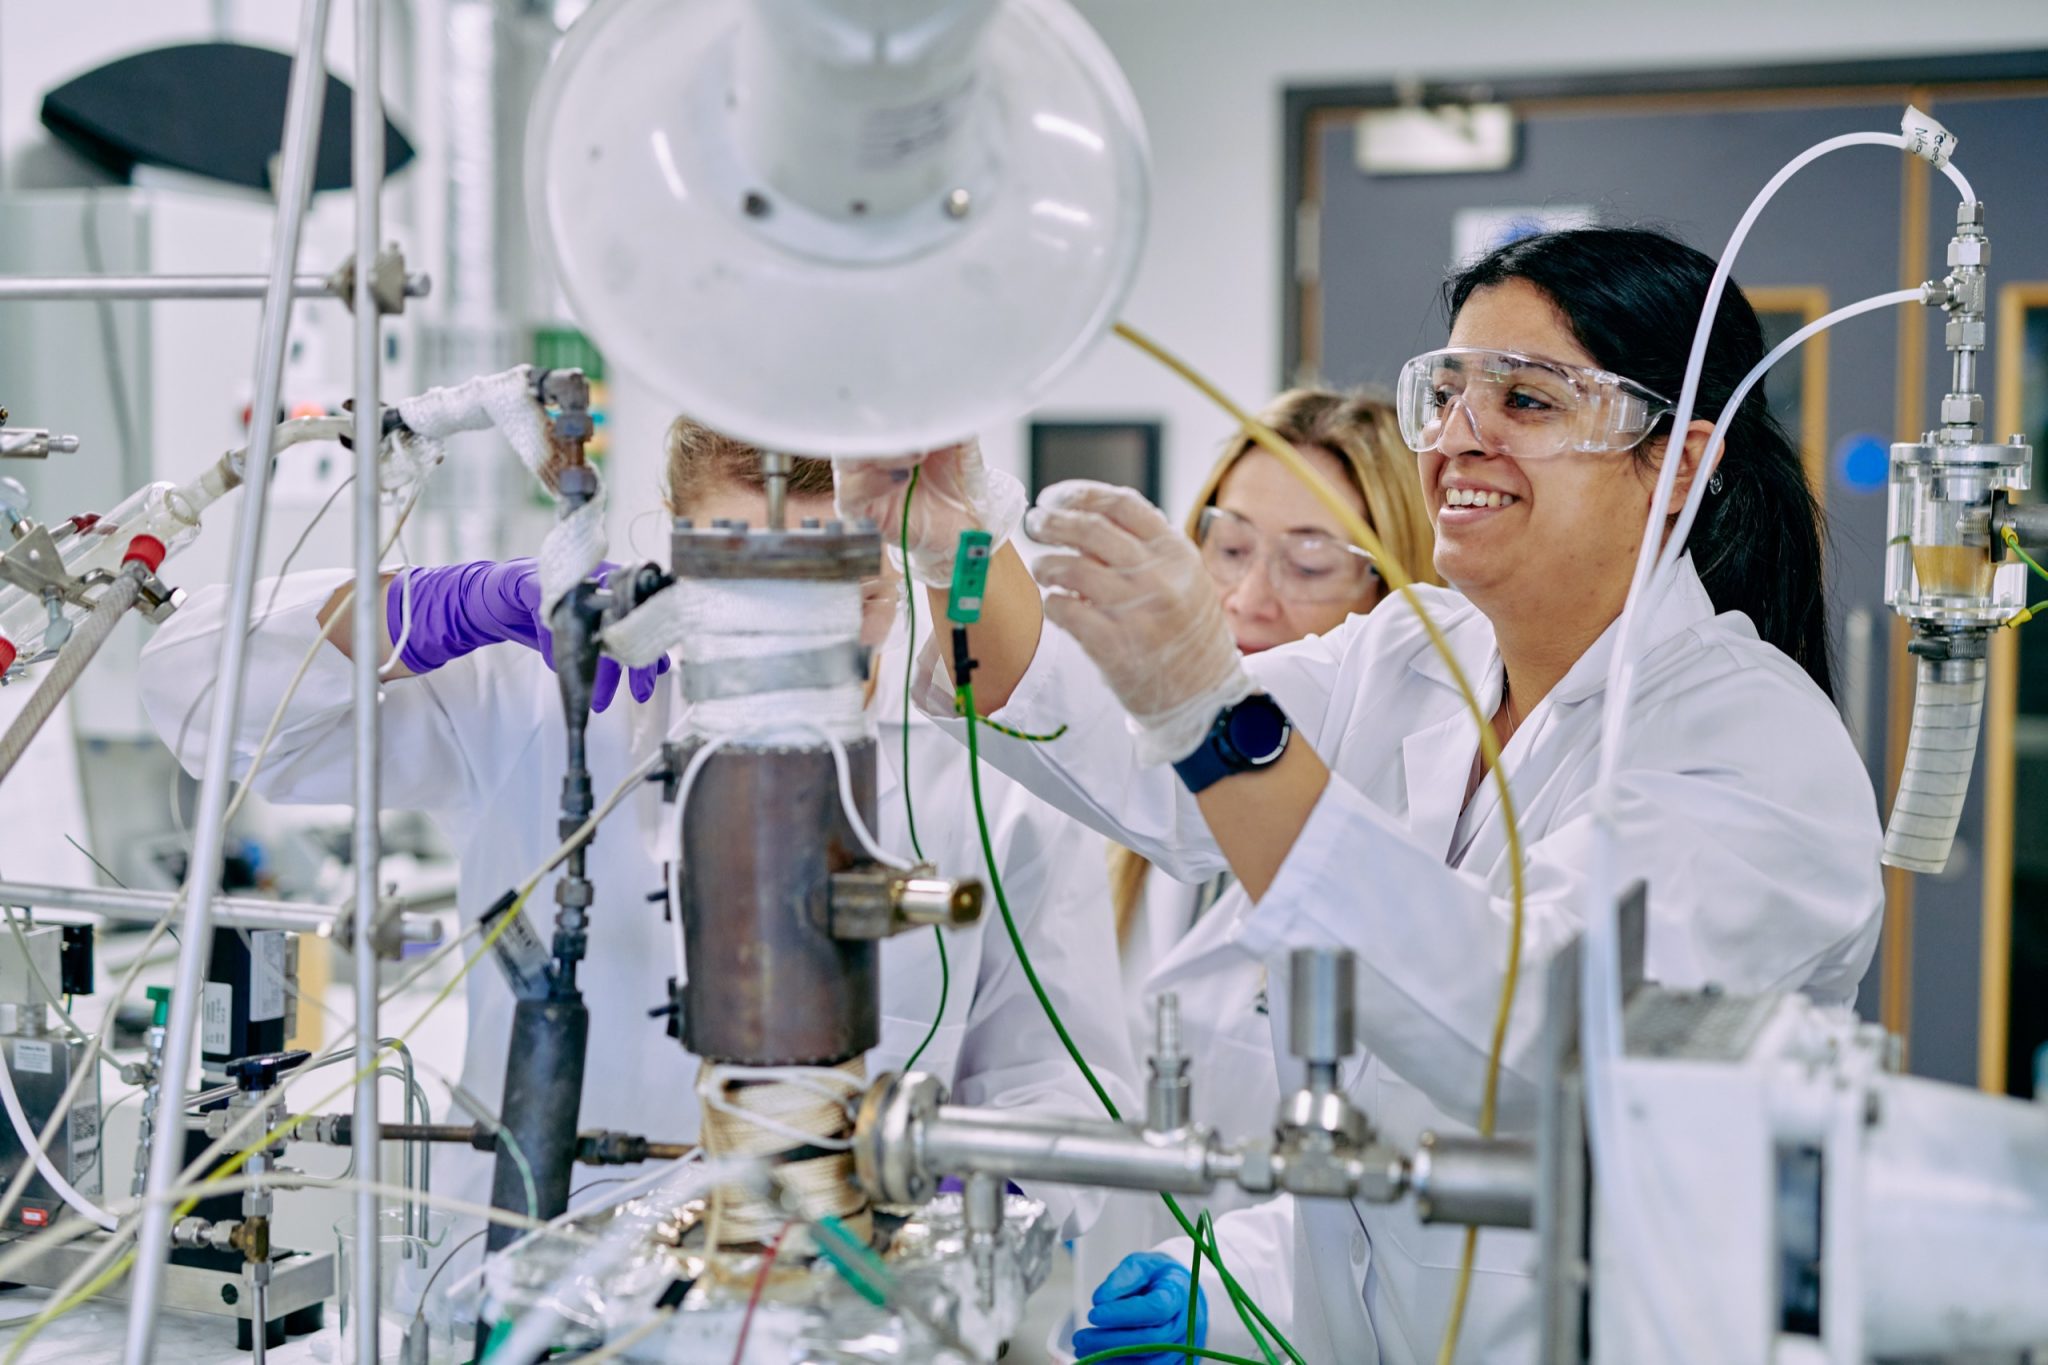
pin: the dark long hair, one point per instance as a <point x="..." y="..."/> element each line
<point x="1632" y="298"/>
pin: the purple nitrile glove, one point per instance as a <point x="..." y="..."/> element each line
<point x="463" y="607"/>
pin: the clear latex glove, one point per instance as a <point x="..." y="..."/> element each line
<point x="1131" y="590"/>
<point x="955" y="492"/>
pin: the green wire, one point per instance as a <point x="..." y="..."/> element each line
<point x="1204" y="1226"/>
<point x="909" y="814"/>
<point x="945" y="988"/>
<point x="2012" y="539"/>
<point x="1148" y="1348"/>
<point x="1246" y="1309"/>
<point x="1028" y="738"/>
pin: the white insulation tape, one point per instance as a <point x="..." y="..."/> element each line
<point x="506" y="401"/>
<point x="1926" y="138"/>
<point x="574" y="547"/>
<point x="752" y="619"/>
<point x="650" y="630"/>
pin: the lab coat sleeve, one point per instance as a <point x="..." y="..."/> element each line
<point x="1258" y="1246"/>
<point x="1758" y="837"/>
<point x="448" y="737"/>
<point x="1092" y="771"/>
<point x="1053" y="877"/>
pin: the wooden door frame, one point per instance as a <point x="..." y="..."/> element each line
<point x="2001" y="723"/>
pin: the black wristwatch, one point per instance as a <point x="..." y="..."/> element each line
<point x="1252" y="734"/>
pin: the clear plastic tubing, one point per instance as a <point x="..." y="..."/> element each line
<point x="1600" y="984"/>
<point x="170" y="512"/>
<point x="1696" y="497"/>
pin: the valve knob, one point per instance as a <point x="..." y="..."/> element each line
<point x="261" y="1071"/>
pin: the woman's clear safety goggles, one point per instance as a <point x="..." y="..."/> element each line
<point x="1507" y="403"/>
<point x="1301" y="566"/>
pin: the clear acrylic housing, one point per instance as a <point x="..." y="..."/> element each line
<point x="1940" y="562"/>
<point x="805" y="333"/>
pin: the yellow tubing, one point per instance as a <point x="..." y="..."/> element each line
<point x="1397" y="578"/>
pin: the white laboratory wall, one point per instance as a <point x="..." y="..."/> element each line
<point x="1209" y="75"/>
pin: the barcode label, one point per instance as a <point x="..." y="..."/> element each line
<point x="216" y="1017"/>
<point x="266" y="975"/>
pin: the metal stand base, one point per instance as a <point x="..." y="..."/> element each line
<point x="300" y="1282"/>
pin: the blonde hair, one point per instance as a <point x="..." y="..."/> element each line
<point x="700" y="460"/>
<point x="1361" y="432"/>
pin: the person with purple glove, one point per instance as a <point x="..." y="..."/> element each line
<point x="442" y="614"/>
<point x="1144" y="1302"/>
<point x="476" y="738"/>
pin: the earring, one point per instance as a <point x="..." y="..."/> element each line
<point x="1714" y="484"/>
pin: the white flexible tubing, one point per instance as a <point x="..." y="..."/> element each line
<point x="1620" y="668"/>
<point x="26" y="1134"/>
<point x="853" y="815"/>
<point x="1960" y="181"/>
<point x="1695" y="498"/>
<point x="675" y="863"/>
<point x="1600" y="983"/>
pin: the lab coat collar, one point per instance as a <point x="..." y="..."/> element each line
<point x="1681" y="604"/>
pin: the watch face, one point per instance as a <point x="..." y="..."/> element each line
<point x="1258" y="729"/>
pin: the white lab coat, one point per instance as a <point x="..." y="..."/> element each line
<point x="479" y="745"/>
<point x="1740" y="800"/>
<point x="1226" y="1037"/>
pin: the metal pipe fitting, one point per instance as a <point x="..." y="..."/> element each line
<point x="1169" y="1095"/>
<point x="775" y="471"/>
<point x="1321" y="1025"/>
<point x="982" y="1205"/>
<point x="906" y="1136"/>
<point x="874" y="902"/>
<point x="1482" y="1182"/>
<point x="2027" y="520"/>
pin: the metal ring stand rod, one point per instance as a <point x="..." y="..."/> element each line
<point x="295" y="182"/>
<point x="48" y="288"/>
<point x="367" y="181"/>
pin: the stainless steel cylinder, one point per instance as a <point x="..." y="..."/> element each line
<point x="1482" y="1182"/>
<point x="939" y="902"/>
<point x="1068" y="1151"/>
<point x="1323" y="1003"/>
<point x="769" y="985"/>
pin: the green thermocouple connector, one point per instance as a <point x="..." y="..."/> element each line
<point x="970" y="578"/>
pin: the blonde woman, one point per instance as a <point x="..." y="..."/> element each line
<point x="1284" y="571"/>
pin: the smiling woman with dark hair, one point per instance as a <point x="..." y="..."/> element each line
<point x="1339" y="778"/>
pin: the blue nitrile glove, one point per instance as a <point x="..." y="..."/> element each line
<point x="463" y="607"/>
<point x="1141" y="1302"/>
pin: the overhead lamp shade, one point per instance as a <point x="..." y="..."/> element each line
<point x="724" y="250"/>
